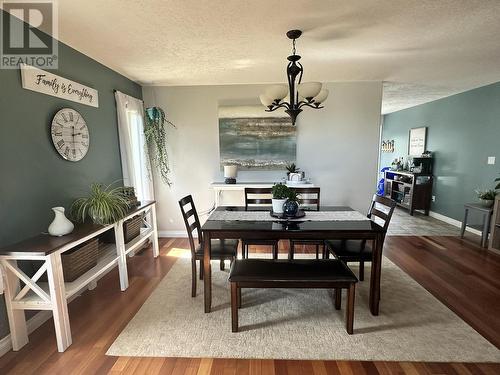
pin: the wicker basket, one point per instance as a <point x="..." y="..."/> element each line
<point x="131" y="229"/>
<point x="80" y="259"/>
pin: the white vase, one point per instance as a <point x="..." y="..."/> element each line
<point x="60" y="225"/>
<point x="278" y="205"/>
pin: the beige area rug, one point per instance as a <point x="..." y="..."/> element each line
<point x="300" y="324"/>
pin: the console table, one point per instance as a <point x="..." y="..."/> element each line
<point x="238" y="199"/>
<point x="54" y="294"/>
<point x="412" y="191"/>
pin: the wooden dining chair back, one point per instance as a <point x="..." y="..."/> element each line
<point x="221" y="249"/>
<point x="191" y="221"/>
<point x="384" y="215"/>
<point x="380" y="211"/>
<point x="258" y="198"/>
<point x="309" y="199"/>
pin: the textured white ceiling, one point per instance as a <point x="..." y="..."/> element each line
<point x="424" y="49"/>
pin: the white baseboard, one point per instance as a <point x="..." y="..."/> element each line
<point x="32" y="324"/>
<point x="174" y="233"/>
<point x="453" y="222"/>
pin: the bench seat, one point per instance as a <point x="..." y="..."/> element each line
<point x="297" y="273"/>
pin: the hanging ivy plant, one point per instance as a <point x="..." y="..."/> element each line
<point x="156" y="140"/>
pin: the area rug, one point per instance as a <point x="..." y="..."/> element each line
<point x="300" y="324"/>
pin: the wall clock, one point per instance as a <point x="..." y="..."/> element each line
<point x="70" y="134"/>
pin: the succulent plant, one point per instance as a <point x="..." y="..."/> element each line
<point x="292" y="168"/>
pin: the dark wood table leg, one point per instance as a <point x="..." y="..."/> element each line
<point x="375" y="275"/>
<point x="234" y="307"/>
<point x="207" y="272"/>
<point x="338" y="298"/>
<point x="349" y="313"/>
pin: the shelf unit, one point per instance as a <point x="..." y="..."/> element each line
<point x="495" y="228"/>
<point x="412" y="191"/>
<point x="55" y="293"/>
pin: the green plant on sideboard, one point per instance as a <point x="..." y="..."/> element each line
<point x="104" y="205"/>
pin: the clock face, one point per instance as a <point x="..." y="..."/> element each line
<point x="70" y="134"/>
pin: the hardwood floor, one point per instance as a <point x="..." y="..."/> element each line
<point x="457" y="272"/>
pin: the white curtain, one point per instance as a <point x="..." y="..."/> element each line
<point x="135" y="162"/>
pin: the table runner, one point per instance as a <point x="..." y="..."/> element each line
<point x="265" y="216"/>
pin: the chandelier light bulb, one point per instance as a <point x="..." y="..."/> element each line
<point x="276" y="92"/>
<point x="266" y="102"/>
<point x="321" y="97"/>
<point x="309" y="90"/>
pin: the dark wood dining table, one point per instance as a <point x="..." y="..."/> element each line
<point x="296" y="229"/>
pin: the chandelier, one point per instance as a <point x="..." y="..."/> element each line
<point x="297" y="94"/>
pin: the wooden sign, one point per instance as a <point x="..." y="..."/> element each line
<point x="417" y="141"/>
<point x="51" y="84"/>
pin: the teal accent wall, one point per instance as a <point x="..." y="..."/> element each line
<point x="462" y="131"/>
<point x="34" y="177"/>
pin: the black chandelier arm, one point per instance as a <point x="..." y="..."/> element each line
<point x="274" y="107"/>
<point x="309" y="104"/>
<point x="301" y="72"/>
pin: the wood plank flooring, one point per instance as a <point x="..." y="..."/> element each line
<point x="457" y="272"/>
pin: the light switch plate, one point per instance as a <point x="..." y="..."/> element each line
<point x="491" y="160"/>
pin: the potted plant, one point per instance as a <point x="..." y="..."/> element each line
<point x="487" y="197"/>
<point x="293" y="172"/>
<point x="104" y="205"/>
<point x="291" y="206"/>
<point x="280" y="195"/>
<point x="156" y="140"/>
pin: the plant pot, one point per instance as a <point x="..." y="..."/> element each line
<point x="278" y="205"/>
<point x="290" y="208"/>
<point x="486" y="202"/>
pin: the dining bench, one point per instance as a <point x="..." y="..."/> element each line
<point x="297" y="273"/>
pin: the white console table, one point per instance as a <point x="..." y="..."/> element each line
<point x="54" y="294"/>
<point x="238" y="190"/>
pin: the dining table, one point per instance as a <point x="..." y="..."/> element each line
<point x="329" y="222"/>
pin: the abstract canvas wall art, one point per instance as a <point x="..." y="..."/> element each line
<point x="251" y="138"/>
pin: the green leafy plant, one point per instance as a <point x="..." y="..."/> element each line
<point x="292" y="168"/>
<point x="498" y="183"/>
<point x="487" y="195"/>
<point x="156" y="140"/>
<point x="104" y="205"/>
<point x="293" y="195"/>
<point x="280" y="191"/>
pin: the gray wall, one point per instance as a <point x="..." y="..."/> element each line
<point x="34" y="177"/>
<point x="336" y="146"/>
<point x="463" y="130"/>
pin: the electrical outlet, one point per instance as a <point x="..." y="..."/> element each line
<point x="491" y="160"/>
<point x="433" y="198"/>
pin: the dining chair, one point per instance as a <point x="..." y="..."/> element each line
<point x="258" y="198"/>
<point x="381" y="210"/>
<point x="309" y="199"/>
<point x="220" y="249"/>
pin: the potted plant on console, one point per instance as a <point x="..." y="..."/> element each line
<point x="280" y="195"/>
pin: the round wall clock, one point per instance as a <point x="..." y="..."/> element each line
<point x="70" y="134"/>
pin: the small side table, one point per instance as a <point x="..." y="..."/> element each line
<point x="485" y="227"/>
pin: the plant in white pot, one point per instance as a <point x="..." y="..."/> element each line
<point x="487" y="197"/>
<point x="280" y="195"/>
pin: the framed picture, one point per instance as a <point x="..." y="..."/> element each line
<point x="417" y="141"/>
<point x="252" y="138"/>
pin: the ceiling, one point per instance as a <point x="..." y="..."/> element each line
<point x="421" y="49"/>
